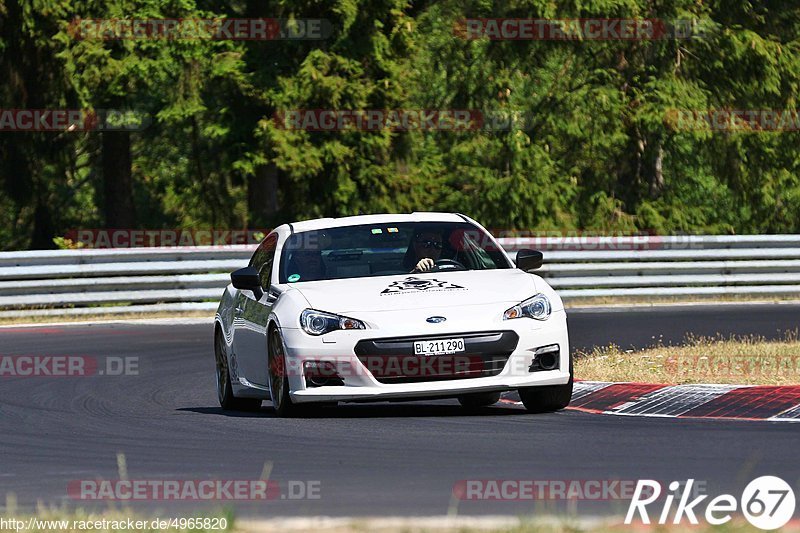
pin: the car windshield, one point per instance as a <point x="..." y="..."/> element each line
<point x="387" y="249"/>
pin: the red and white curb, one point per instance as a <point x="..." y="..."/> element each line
<point x="730" y="402"/>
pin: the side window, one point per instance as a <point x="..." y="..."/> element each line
<point x="263" y="258"/>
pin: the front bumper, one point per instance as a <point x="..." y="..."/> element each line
<point x="345" y="350"/>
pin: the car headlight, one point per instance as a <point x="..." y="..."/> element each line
<point x="320" y="323"/>
<point x="537" y="307"/>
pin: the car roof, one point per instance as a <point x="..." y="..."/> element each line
<point x="323" y="223"/>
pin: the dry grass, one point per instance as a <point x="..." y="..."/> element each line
<point x="485" y="524"/>
<point x="742" y="360"/>
<point x="115" y="522"/>
<point x="104" y="317"/>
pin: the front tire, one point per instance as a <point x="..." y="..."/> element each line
<point x="548" y="398"/>
<point x="279" y="378"/>
<point x="225" y="396"/>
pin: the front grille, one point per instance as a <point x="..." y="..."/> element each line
<point x="392" y="360"/>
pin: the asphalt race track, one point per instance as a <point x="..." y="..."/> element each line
<point x="382" y="459"/>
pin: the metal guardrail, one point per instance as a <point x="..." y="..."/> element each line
<point x="176" y="279"/>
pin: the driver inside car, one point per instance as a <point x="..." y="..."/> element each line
<point x="426" y="247"/>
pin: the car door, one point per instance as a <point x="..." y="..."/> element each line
<point x="249" y="340"/>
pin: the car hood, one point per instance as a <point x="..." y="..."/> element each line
<point x="419" y="291"/>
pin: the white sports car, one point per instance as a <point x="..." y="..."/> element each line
<point x="386" y="308"/>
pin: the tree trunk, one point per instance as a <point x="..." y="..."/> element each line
<point x="262" y="196"/>
<point x="657" y="177"/>
<point x="43" y="228"/>
<point x="118" y="180"/>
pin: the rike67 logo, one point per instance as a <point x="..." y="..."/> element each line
<point x="767" y="503"/>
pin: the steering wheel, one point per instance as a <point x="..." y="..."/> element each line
<point x="447" y="265"/>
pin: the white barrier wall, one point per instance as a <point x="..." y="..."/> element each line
<point x="167" y="279"/>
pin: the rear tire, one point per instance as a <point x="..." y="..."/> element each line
<point x="478" y="400"/>
<point x="225" y="396"/>
<point x="279" y="378"/>
<point x="548" y="398"/>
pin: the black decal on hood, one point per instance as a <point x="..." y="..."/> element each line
<point x="413" y="284"/>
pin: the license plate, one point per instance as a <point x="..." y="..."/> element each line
<point x="439" y="347"/>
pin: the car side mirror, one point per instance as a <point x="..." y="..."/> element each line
<point x="247" y="279"/>
<point x="529" y="259"/>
